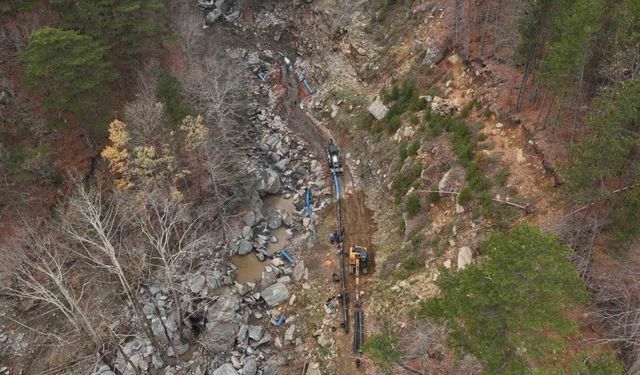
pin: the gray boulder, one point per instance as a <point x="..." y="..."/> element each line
<point x="250" y="366"/>
<point x="275" y="294"/>
<point x="244" y="247"/>
<point x="378" y="109"/>
<point x="226" y="369"/>
<point x="220" y="337"/>
<point x="434" y="53"/>
<point x="268" y="182"/>
<point x="453" y="180"/>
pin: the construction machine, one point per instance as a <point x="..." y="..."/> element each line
<point x="358" y="259"/>
<point x="333" y="158"/>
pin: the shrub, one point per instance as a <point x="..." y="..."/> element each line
<point x="169" y="92"/>
<point x="381" y="349"/>
<point x="394" y="124"/>
<point x="412" y="205"/>
<point x="433" y="196"/>
<point x="410" y="264"/>
<point x="413" y="148"/>
<point x="402" y="151"/>
<point x="464" y="197"/>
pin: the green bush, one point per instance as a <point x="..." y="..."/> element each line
<point x="169" y="92"/>
<point x="510" y="308"/>
<point x="393" y="125"/>
<point x="413" y="148"/>
<point x="415" y="240"/>
<point x="412" y="205"/>
<point x="403" y="153"/>
<point x="403" y="180"/>
<point x="433" y="196"/>
<point x="380" y="347"/>
<point x="595" y="363"/>
<point x="464" y="197"/>
<point x="410" y="264"/>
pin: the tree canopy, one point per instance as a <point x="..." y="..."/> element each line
<point x="508" y="311"/>
<point x="68" y="69"/>
<point x="125" y="27"/>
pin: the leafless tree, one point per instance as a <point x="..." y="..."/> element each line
<point x="174" y="236"/>
<point x="214" y="89"/>
<point x="617" y="303"/>
<point x="145" y="116"/>
<point x="43" y="277"/>
<point x="187" y="25"/>
<point x="93" y="225"/>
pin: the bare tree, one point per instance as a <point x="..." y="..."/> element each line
<point x="93" y="225"/>
<point x="43" y="277"/>
<point x="214" y="89"/>
<point x="145" y="115"/>
<point x="187" y="25"/>
<point x="617" y="304"/>
<point x="173" y="237"/>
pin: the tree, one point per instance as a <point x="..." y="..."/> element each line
<point x="507" y="311"/>
<point x="67" y="69"/>
<point x="94" y="226"/>
<point x="125" y="27"/>
<point x="44" y="277"/>
<point x="604" y="164"/>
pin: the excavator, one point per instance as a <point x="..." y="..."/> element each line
<point x="333" y="158"/>
<point x="358" y="259"/>
<point x="358" y="265"/>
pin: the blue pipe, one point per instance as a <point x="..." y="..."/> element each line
<point x="286" y="256"/>
<point x="309" y="210"/>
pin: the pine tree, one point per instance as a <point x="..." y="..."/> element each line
<point x="124" y="26"/>
<point x="69" y="70"/>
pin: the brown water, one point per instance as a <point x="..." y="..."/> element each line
<point x="282" y="234"/>
<point x="277" y="201"/>
<point x="249" y="268"/>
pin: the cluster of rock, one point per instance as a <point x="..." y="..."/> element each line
<point x="220" y="9"/>
<point x="234" y="324"/>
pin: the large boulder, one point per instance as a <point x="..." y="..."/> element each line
<point x="453" y="180"/>
<point x="275" y="294"/>
<point x="268" y="182"/>
<point x="378" y="109"/>
<point x="223" y="323"/>
<point x="465" y="257"/>
<point x="434" y="53"/>
<point x="226" y="369"/>
<point x="250" y="366"/>
<point x="220" y="336"/>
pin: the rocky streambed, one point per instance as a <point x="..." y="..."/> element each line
<point x="241" y="307"/>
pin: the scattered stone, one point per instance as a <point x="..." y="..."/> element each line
<point x="255" y="332"/>
<point x="288" y="334"/>
<point x="197" y="283"/>
<point x="244" y="247"/>
<point x="298" y="271"/>
<point x="324" y="341"/>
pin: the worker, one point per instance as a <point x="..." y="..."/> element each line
<point x="358" y="362"/>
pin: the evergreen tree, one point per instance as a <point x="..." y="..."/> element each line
<point x="69" y="70"/>
<point x="507" y="311"/>
<point x="125" y="26"/>
<point x="606" y="159"/>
